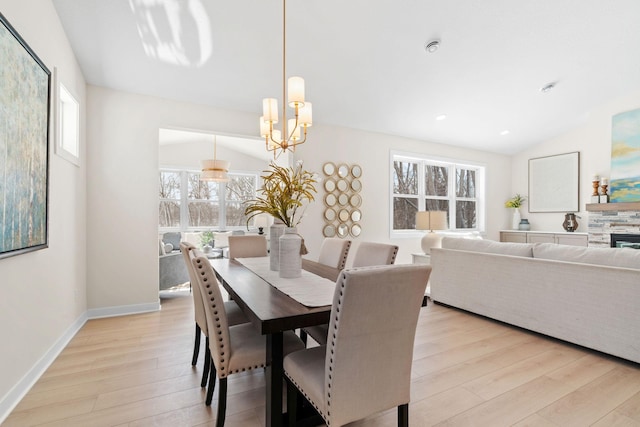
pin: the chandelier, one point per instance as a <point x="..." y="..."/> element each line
<point x="293" y="132"/>
<point x="213" y="169"/>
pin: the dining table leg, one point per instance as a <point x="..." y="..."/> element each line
<point x="275" y="375"/>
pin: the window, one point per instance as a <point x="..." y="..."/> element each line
<point x="420" y="183"/>
<point x="170" y="198"/>
<point x="68" y="138"/>
<point x="188" y="203"/>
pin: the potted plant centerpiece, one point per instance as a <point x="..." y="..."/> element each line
<point x="283" y="195"/>
<point x="515" y="203"/>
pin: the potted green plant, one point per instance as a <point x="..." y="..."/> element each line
<point x="515" y="203"/>
<point x="206" y="238"/>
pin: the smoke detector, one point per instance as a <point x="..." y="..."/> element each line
<point x="548" y="88"/>
<point x="432" y="46"/>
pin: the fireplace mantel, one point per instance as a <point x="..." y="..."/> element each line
<point x="602" y="207"/>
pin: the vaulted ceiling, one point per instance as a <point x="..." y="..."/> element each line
<point x="365" y="64"/>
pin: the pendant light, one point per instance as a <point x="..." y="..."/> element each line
<point x="215" y="170"/>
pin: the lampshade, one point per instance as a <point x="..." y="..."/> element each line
<point x="215" y="170"/>
<point x="431" y="220"/>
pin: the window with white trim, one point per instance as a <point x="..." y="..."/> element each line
<point x="433" y="184"/>
<point x="186" y="203"/>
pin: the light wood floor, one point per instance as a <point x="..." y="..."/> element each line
<point x="467" y="370"/>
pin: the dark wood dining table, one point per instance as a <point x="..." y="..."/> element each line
<point x="272" y="313"/>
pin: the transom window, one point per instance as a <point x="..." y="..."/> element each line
<point x="186" y="203"/>
<point x="421" y="183"/>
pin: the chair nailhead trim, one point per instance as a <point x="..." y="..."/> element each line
<point x="324" y="417"/>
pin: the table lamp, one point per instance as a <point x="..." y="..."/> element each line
<point x="262" y="221"/>
<point x="431" y="220"/>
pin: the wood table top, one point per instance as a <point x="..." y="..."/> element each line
<point x="267" y="308"/>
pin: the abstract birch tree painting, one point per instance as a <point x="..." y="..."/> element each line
<point x="24" y="133"/>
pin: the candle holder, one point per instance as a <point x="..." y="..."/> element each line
<point x="595" y="197"/>
<point x="604" y="197"/>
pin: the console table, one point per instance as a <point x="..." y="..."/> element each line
<point x="560" y="238"/>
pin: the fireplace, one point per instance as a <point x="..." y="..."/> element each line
<point x="606" y="219"/>
<point x="619" y="240"/>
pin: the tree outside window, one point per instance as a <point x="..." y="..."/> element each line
<point x="443" y="186"/>
<point x="170" y="198"/>
<point x="188" y="203"/>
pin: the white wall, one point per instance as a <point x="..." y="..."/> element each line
<point x="593" y="141"/>
<point x="189" y="155"/>
<point x="123" y="189"/>
<point x="372" y="151"/>
<point x="43" y="293"/>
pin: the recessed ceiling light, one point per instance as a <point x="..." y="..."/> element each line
<point x="504" y="132"/>
<point x="432" y="45"/>
<point x="547" y="88"/>
<point x="441" y="117"/>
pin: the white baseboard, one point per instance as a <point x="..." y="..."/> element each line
<point x="17" y="393"/>
<point x="122" y="310"/>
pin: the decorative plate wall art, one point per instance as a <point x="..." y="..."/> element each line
<point x="342" y="185"/>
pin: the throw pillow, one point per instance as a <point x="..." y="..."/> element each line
<point x="173" y="238"/>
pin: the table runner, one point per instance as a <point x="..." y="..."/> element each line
<point x="310" y="289"/>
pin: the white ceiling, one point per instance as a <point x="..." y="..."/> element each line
<point x="364" y="61"/>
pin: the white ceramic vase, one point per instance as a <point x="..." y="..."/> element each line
<point x="275" y="231"/>
<point x="516" y="219"/>
<point x="290" y="258"/>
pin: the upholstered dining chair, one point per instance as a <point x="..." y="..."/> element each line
<point x="331" y="259"/>
<point x="367" y="254"/>
<point x="365" y="367"/>
<point x="371" y="253"/>
<point x="236" y="348"/>
<point x="235" y="315"/>
<point x="247" y="246"/>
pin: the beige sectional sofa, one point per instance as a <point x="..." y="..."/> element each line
<point x="587" y="296"/>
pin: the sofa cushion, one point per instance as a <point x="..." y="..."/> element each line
<point x="614" y="257"/>
<point x="488" y="246"/>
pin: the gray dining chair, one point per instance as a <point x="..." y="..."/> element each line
<point x="365" y="367"/>
<point x="247" y="246"/>
<point x="236" y="348"/>
<point x="367" y="254"/>
<point x="331" y="259"/>
<point x="235" y="315"/>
